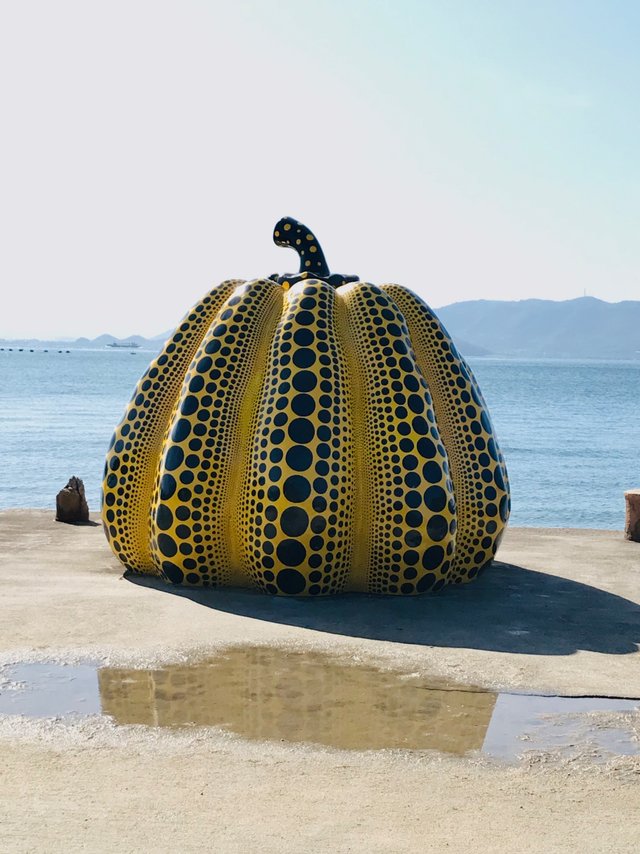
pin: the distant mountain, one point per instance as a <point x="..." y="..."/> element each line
<point x="99" y="343"/>
<point x="148" y="344"/>
<point x="584" y="328"/>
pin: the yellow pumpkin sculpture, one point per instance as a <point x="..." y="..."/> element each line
<point x="307" y="434"/>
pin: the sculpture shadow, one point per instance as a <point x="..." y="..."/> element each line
<point x="509" y="609"/>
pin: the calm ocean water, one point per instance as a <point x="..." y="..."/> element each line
<point x="570" y="431"/>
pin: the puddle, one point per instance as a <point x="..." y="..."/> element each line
<point x="273" y="694"/>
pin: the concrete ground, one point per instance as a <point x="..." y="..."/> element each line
<point x="559" y="613"/>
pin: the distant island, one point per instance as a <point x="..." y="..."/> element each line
<point x="583" y="328"/>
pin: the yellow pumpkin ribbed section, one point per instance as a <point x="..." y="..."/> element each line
<point x="309" y="440"/>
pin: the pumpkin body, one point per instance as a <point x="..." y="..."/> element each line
<point x="307" y="440"/>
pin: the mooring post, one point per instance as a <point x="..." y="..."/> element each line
<point x="632" y="517"/>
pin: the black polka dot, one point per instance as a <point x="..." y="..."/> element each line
<point x="167" y="486"/>
<point x="426" y="582"/>
<point x="173" y="572"/>
<point x="420" y="425"/>
<point x="432" y="472"/>
<point x="437" y="528"/>
<point x="317" y="543"/>
<point x="189" y="405"/>
<point x="294" y="521"/>
<point x="301" y="430"/>
<point x="426" y="448"/>
<point x="181" y="430"/>
<point x="167" y="545"/>
<point x="296" y="488"/>
<point x="164" y="517"/>
<point x="299" y="458"/>
<point x="435" y="498"/>
<point x="414" y="518"/>
<point x="318" y="524"/>
<point x="303" y="404"/>
<point x="303" y="337"/>
<point x="416" y="403"/>
<point x="304" y="358"/>
<point x="413" y="499"/>
<point x="291" y="552"/>
<point x="305" y="381"/>
<point x="320" y="485"/>
<point x="413" y="539"/>
<point x="433" y="557"/>
<point x="174" y="457"/>
<point x="304" y="318"/>
<point x="290" y="581"/>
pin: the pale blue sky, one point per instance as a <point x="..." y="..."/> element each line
<point x="465" y="149"/>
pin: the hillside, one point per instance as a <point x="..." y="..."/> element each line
<point x="584" y="328"/>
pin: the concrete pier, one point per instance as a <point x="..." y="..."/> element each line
<point x="559" y="613"/>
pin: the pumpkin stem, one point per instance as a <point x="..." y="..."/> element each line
<point x="290" y="232"/>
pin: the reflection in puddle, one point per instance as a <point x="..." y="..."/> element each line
<point x="264" y="693"/>
<point x="306" y="697"/>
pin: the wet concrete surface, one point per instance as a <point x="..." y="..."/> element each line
<point x="266" y="693"/>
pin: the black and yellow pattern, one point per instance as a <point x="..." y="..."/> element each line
<point x="307" y="434"/>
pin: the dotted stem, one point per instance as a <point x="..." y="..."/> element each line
<point x="290" y="232"/>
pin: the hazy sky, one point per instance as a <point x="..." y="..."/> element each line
<point x="465" y="149"/>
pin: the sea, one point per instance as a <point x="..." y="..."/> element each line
<point x="569" y="430"/>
